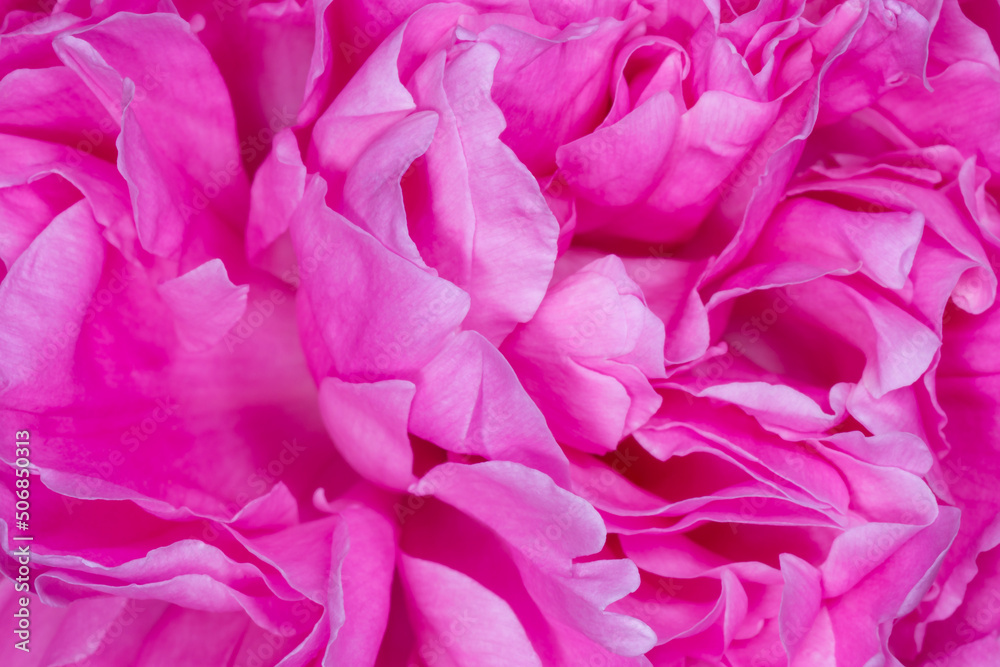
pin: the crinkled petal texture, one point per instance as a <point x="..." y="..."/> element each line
<point x="588" y="355"/>
<point x="500" y="332"/>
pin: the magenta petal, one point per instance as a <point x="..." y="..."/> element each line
<point x="461" y="622"/>
<point x="352" y="277"/>
<point x="171" y="182"/>
<point x="889" y="49"/>
<point x="84" y="628"/>
<point x="575" y="593"/>
<point x="550" y="86"/>
<point x="655" y="333"/>
<point x="587" y="356"/>
<point x="619" y="163"/>
<point x="476" y="488"/>
<point x="373" y="198"/>
<point x="967" y="86"/>
<point x="368" y="425"/>
<point x="804" y="624"/>
<point x="366" y="576"/>
<point x="24" y="160"/>
<point x="43" y="300"/>
<point x="54" y="103"/>
<point x="881" y="245"/>
<point x="277" y="189"/>
<point x="469" y="401"/>
<point x="27" y="209"/>
<point x="488" y="229"/>
<point x="205" y="305"/>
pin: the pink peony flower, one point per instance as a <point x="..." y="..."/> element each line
<point x="499" y="333"/>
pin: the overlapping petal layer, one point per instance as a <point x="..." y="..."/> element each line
<point x="501" y="332"/>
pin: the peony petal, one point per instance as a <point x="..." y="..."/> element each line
<point x="462" y="622"/>
<point x="205" y="304"/>
<point x="170" y="181"/>
<point x="368" y="425"/>
<point x="44" y="299"/>
<point x="350" y="273"/>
